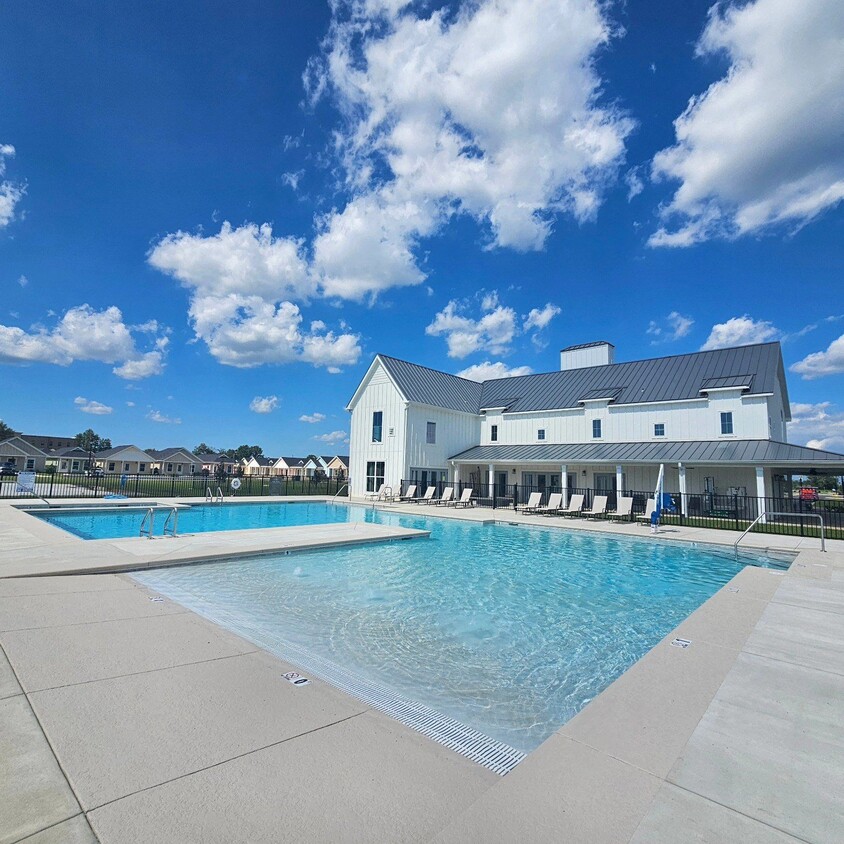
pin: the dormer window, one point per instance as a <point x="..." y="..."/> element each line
<point x="493" y="434"/>
<point x="596" y="429"/>
<point x="726" y="423"/>
<point x="659" y="429"/>
<point x="540" y="434"/>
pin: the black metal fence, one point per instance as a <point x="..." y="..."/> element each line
<point x="725" y="512"/>
<point x="81" y="485"/>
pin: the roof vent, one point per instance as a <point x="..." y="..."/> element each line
<point x="600" y="353"/>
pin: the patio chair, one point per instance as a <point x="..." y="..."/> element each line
<point x="554" y="505"/>
<point x="575" y="506"/>
<point x="448" y="494"/>
<point x="465" y="499"/>
<point x="623" y="510"/>
<point x="377" y="495"/>
<point x="426" y="498"/>
<point x="599" y="507"/>
<point x="650" y="506"/>
<point x="410" y="494"/>
<point x="532" y="505"/>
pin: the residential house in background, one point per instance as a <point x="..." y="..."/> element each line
<point x="716" y="420"/>
<point x="337" y="466"/>
<point x="49" y="443"/>
<point x="71" y="459"/>
<point x="124" y="460"/>
<point x="19" y="454"/>
<point x="263" y="467"/>
<point x="290" y="467"/>
<point x="211" y="464"/>
<point x="175" y="461"/>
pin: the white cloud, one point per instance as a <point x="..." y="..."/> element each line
<point x="23" y="281"/>
<point x="292" y="179"/>
<point x="130" y="404"/>
<point x="95" y="407"/>
<point x="740" y="331"/>
<point x="82" y="334"/>
<point x="676" y="326"/>
<point x="333" y="437"/>
<point x="540" y="319"/>
<point x="488" y="370"/>
<point x="493" y="332"/>
<point x="11" y="193"/>
<point x="761" y="147"/>
<point x="819" y="364"/>
<point x="818" y="425"/>
<point x="312" y="419"/>
<point x="157" y="416"/>
<point x="492" y="111"/>
<point x="263" y="404"/>
<point x="635" y="183"/>
<point x="242" y="282"/>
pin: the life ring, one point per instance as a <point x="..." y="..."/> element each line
<point x="236" y="483"/>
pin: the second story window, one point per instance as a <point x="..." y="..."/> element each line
<point x="596" y="429"/>
<point x="493" y="434"/>
<point x="659" y="429"/>
<point x="726" y="423"/>
<point x="431" y="433"/>
<point x="377" y="425"/>
<point x="540" y="434"/>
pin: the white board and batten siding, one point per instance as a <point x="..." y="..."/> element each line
<point x="455" y="432"/>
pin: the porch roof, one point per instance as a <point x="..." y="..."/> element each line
<point x="735" y="452"/>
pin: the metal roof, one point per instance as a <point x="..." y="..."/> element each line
<point x="748" y="452"/>
<point x="430" y="386"/>
<point x="586" y="346"/>
<point x="727" y="382"/>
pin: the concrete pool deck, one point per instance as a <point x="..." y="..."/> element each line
<point x="141" y="721"/>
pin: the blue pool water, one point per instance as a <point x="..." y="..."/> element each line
<point x="508" y="629"/>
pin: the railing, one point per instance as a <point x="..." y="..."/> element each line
<point x="171" y="529"/>
<point x="764" y="516"/>
<point x="147" y="524"/>
<point x="785" y="515"/>
<point x="53" y="485"/>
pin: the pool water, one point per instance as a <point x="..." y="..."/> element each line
<point x="510" y="630"/>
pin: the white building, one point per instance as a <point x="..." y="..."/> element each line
<point x="715" y="419"/>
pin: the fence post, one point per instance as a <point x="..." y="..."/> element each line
<point x="173" y="487"/>
<point x="515" y="495"/>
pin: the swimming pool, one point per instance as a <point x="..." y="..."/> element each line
<point x="510" y="630"/>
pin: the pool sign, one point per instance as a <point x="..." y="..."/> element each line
<point x="296" y="678"/>
<point x="26" y="482"/>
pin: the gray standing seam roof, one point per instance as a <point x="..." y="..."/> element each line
<point x="751" y="452"/>
<point x="674" y="378"/>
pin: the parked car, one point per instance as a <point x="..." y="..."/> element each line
<point x="8" y="470"/>
<point x="95" y="473"/>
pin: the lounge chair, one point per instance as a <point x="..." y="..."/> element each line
<point x="554" y="505"/>
<point x="377" y="495"/>
<point x="426" y="498"/>
<point x="532" y="505"/>
<point x="623" y="510"/>
<point x="410" y="494"/>
<point x="575" y="506"/>
<point x="650" y="506"/>
<point x="448" y="494"/>
<point x="465" y="499"/>
<point x="599" y="507"/>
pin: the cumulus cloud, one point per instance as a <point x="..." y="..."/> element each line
<point x="333" y="437"/>
<point x="157" y="416"/>
<point x="493" y="332"/>
<point x="242" y="282"/>
<point x="540" y="319"/>
<point x="312" y="419"/>
<point x="23" y="281"/>
<point x="11" y="192"/>
<point x="95" y="407"/>
<point x="263" y="404"/>
<point x="761" y="147"/>
<point x="83" y="334"/>
<point x="493" y="111"/>
<point x="819" y="364"/>
<point x="488" y="370"/>
<point x="818" y="425"/>
<point x="676" y="326"/>
<point x="740" y="331"/>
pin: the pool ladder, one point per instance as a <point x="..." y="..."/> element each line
<point x="171" y="523"/>
<point x="217" y="497"/>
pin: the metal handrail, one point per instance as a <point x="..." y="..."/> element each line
<point x="345" y="486"/>
<point x="765" y="515"/>
<point x="174" y="514"/>
<point x="219" y="496"/>
<point x="208" y="496"/>
<point x="149" y="515"/>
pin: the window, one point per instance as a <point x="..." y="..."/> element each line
<point x="596" y="428"/>
<point x="142" y="467"/>
<point x="431" y="433"/>
<point x="374" y="475"/>
<point x="125" y="467"/>
<point x="75" y="466"/>
<point x="659" y="429"/>
<point x="493" y="434"/>
<point x="726" y="423"/>
<point x="540" y="434"/>
<point x="111" y="467"/>
<point x="179" y="468"/>
<point x="30" y="462"/>
<point x="169" y="467"/>
<point x="377" y="426"/>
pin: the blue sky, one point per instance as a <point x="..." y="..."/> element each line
<point x="213" y="217"/>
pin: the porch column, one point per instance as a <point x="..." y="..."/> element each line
<point x="456" y="474"/>
<point x="564" y="482"/>
<point x="761" y="493"/>
<point x="491" y="480"/>
<point x="681" y="470"/>
<point x="619" y="480"/>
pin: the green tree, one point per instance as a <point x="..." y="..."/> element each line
<point x="6" y="432"/>
<point x="202" y="448"/>
<point x="92" y="441"/>
<point x="245" y="451"/>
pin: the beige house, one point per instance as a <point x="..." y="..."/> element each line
<point x="290" y="467"/>
<point x="124" y="460"/>
<point x="337" y="466"/>
<point x="175" y="461"/>
<point x="18" y="454"/>
<point x="260" y="467"/>
<point x="70" y="459"/>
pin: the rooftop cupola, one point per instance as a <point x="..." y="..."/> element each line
<point x="599" y="353"/>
